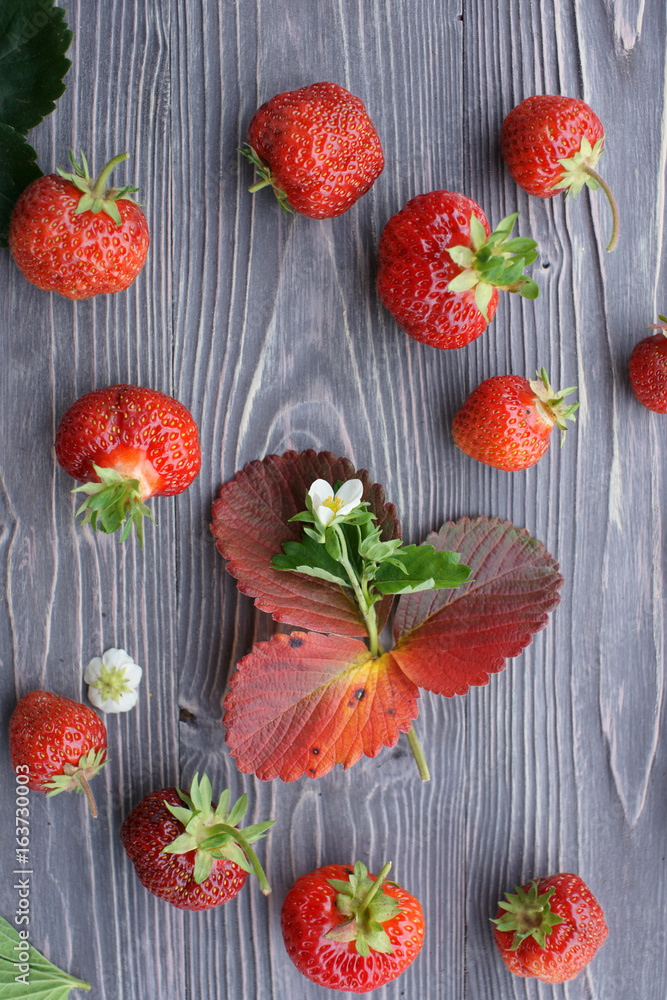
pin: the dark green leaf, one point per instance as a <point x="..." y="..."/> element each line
<point x="33" y="40"/>
<point x="422" y="569"/>
<point x="17" y="170"/>
<point x="43" y="979"/>
<point x="312" y="558"/>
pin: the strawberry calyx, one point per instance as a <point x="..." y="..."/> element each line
<point x="267" y="178"/>
<point x="113" y="502"/>
<point x="95" y="195"/>
<point x="659" y="326"/>
<point x="550" y="404"/>
<point x="213" y="832"/>
<point x="365" y="908"/>
<point x="494" y="263"/>
<point x="75" y="778"/>
<point x="579" y="171"/>
<point x="528" y="914"/>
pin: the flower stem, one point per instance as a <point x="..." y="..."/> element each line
<point x="418" y="754"/>
<point x="367" y="611"/>
<point x="612" y="204"/>
<point x="99" y="189"/>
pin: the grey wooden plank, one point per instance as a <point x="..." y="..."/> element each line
<point x="292" y="350"/>
<point x="576" y="725"/>
<point x="68" y="595"/>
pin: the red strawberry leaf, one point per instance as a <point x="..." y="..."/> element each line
<point x="448" y="640"/>
<point x="251" y="521"/>
<point x="300" y="704"/>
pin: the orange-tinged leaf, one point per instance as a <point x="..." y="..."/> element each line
<point x="448" y="640"/>
<point x="301" y="703"/>
<point x="251" y="522"/>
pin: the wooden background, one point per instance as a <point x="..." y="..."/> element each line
<point x="270" y="330"/>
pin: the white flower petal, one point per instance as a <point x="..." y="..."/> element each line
<point x="95" y="697"/>
<point x="116" y="658"/>
<point x="320" y="491"/>
<point x="133" y="674"/>
<point x="350" y="493"/>
<point x="93" y="670"/>
<point x="324" y="514"/>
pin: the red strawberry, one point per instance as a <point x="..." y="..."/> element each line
<point x="550" y="928"/>
<point x="507" y="420"/>
<point x="440" y="271"/>
<point x="199" y="867"/>
<point x="648" y="369"/>
<point x="551" y="143"/>
<point x="58" y="743"/>
<point x="346" y="930"/>
<point x="127" y="444"/>
<point x="317" y="147"/>
<point x="72" y="235"/>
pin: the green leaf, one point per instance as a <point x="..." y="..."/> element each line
<point x="17" y="170"/>
<point x="309" y="557"/>
<point x="422" y="569"/>
<point x="43" y="980"/>
<point x="33" y="40"/>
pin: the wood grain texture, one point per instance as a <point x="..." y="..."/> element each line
<point x="270" y="330"/>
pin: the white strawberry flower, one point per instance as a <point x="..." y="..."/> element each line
<point x="327" y="505"/>
<point x="113" y="679"/>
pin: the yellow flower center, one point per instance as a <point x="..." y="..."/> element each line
<point x="334" y="503"/>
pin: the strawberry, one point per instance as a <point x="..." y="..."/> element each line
<point x="76" y="236"/>
<point x="347" y="930"/>
<point x="550" y="928"/>
<point x="58" y="743"/>
<point x="648" y="369"/>
<point x="188" y="851"/>
<point x="507" y="420"/>
<point x="317" y="147"/>
<point x="127" y="444"/>
<point x="551" y="143"/>
<point x="440" y="270"/>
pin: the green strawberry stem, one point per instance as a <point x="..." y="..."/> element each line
<point x="236" y="835"/>
<point x="95" y="195"/>
<point x="418" y="754"/>
<point x="374" y="889"/>
<point x="78" y="775"/>
<point x="99" y="188"/>
<point x="365" y="908"/>
<point x="612" y="204"/>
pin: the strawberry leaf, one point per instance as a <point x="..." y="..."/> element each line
<point x="251" y="522"/>
<point x="420" y="567"/>
<point x="40" y="977"/>
<point x="448" y="640"/>
<point x="17" y="170"/>
<point x="33" y="40"/>
<point x="300" y="704"/>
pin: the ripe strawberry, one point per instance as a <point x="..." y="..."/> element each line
<point x="550" y="928"/>
<point x="58" y="743"/>
<point x="317" y="147"/>
<point x="127" y="444"/>
<point x="347" y="930"/>
<point x="440" y="271"/>
<point x="188" y="851"/>
<point x="78" y="237"/>
<point x="648" y="369"/>
<point x="506" y="421"/>
<point x="551" y="143"/>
